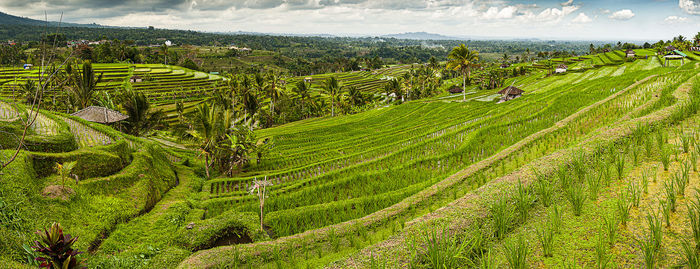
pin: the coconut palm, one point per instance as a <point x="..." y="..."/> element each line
<point x="696" y="38"/>
<point x="333" y="88"/>
<point x="83" y="85"/>
<point x="141" y="119"/>
<point x="164" y="50"/>
<point x="273" y="92"/>
<point x="461" y="58"/>
<point x="206" y="128"/>
<point x="302" y="92"/>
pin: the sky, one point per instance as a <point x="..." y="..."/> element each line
<point x="563" y="20"/>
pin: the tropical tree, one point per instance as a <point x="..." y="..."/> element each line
<point x="206" y="127"/>
<point x="461" y="58"/>
<point x="141" y="119"/>
<point x="393" y="86"/>
<point x="355" y="96"/>
<point x="164" y="50"/>
<point x="333" y="88"/>
<point x="696" y="38"/>
<point x="302" y="92"/>
<point x="273" y="92"/>
<point x="83" y="85"/>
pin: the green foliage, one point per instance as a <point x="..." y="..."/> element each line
<point x="602" y="257"/>
<point x="545" y="235"/>
<point x="202" y="234"/>
<point x="502" y="217"/>
<point x="623" y="207"/>
<point x="545" y="190"/>
<point x="610" y="226"/>
<point x="516" y="251"/>
<point x="443" y="250"/>
<point x="522" y="201"/>
<point x="57" y="249"/>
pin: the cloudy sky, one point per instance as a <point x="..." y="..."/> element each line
<point x="573" y="19"/>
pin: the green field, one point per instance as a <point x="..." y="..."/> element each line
<point x="392" y="186"/>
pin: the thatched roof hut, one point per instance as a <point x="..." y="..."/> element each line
<point x="630" y="53"/>
<point x="510" y="90"/>
<point x="100" y="115"/>
<point x="455" y="90"/>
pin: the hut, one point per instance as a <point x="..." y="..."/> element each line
<point x="100" y="115"/>
<point x="455" y="90"/>
<point x="135" y="79"/>
<point x="510" y="93"/>
<point x="505" y="65"/>
<point x="674" y="55"/>
<point x="28" y="66"/>
<point x="671" y="48"/>
<point x="561" y="68"/>
<point x="308" y="79"/>
<point x="630" y="54"/>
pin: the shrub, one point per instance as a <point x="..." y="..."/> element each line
<point x="57" y="249"/>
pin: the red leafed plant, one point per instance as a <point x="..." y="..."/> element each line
<point x="57" y="249"/>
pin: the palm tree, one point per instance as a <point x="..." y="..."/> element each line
<point x="333" y="88"/>
<point x="164" y="51"/>
<point x="302" y="92"/>
<point x="84" y="85"/>
<point x="206" y="128"/>
<point x="393" y="86"/>
<point x="697" y="38"/>
<point x="356" y="96"/>
<point x="463" y="59"/>
<point x="141" y="119"/>
<point x="273" y="92"/>
<point x="250" y="101"/>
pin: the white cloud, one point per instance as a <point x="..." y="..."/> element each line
<point x="690" y="6"/>
<point x="622" y="15"/>
<point x="675" y="19"/>
<point x="582" y="18"/>
<point x="605" y="11"/>
<point x="549" y="15"/>
<point x="495" y="13"/>
<point x="567" y="3"/>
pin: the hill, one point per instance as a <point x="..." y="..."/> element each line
<point x="7" y="19"/>
<point x="421" y="36"/>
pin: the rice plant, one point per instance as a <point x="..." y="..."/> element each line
<point x="545" y="190"/>
<point x="666" y="211"/>
<point x="691" y="257"/>
<point x="442" y="250"/>
<point x="635" y="193"/>
<point x="545" y="235"/>
<point x="694" y="161"/>
<point x="601" y="252"/>
<point x="685" y="142"/>
<point x="487" y="261"/>
<point x="646" y="245"/>
<point x="610" y="226"/>
<point x="655" y="232"/>
<point x="665" y="157"/>
<point x="694" y="218"/>
<point x="502" y="217"/>
<point x="593" y="183"/>
<point x="516" y="251"/>
<point x="645" y="181"/>
<point x="623" y="207"/>
<point x="564" y="179"/>
<point x="576" y="197"/>
<point x="522" y="201"/>
<point x="620" y="166"/>
<point x="680" y="183"/>
<point x="670" y="191"/>
<point x="555" y="218"/>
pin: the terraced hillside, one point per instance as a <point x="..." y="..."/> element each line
<point x="367" y="186"/>
<point x="367" y="81"/>
<point x="160" y="83"/>
<point x="429" y="183"/>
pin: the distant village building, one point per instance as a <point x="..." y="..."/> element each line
<point x="168" y="43"/>
<point x="135" y="79"/>
<point x="505" y="65"/>
<point x="561" y="68"/>
<point x="28" y="66"/>
<point x="240" y="49"/>
<point x="100" y="115"/>
<point x="11" y="43"/>
<point x="455" y="90"/>
<point x="630" y="54"/>
<point x="308" y="79"/>
<point x="510" y="93"/>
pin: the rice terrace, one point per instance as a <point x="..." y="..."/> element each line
<point x="522" y="136"/>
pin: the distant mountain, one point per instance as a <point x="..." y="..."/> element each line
<point x="422" y="36"/>
<point x="7" y="19"/>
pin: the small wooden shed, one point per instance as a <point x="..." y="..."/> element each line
<point x="561" y="68"/>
